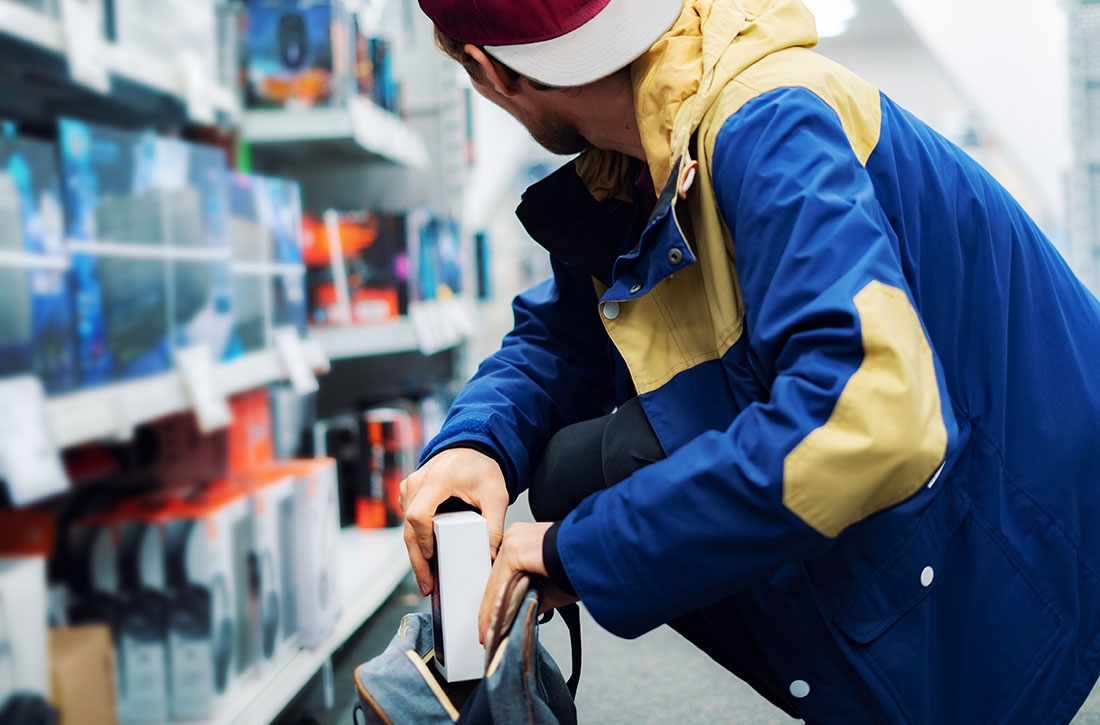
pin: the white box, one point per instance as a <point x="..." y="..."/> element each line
<point x="315" y="533"/>
<point x="275" y="630"/>
<point x="461" y="569"/>
<point x="206" y="555"/>
<point x="23" y="666"/>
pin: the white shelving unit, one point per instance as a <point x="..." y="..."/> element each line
<point x="112" y="411"/>
<point x="131" y="64"/>
<point x="431" y="327"/>
<point x="356" y="131"/>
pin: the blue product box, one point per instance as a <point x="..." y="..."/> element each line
<point x="300" y="53"/>
<point x="202" y="287"/>
<point x="436" y="250"/>
<point x="252" y="246"/>
<point x="288" y="290"/>
<point x="36" y="315"/>
<point x="116" y="235"/>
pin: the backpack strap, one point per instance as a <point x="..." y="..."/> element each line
<point x="571" y="615"/>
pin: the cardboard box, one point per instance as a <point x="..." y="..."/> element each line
<point x="315" y="531"/>
<point x="23" y="626"/>
<point x="82" y="675"/>
<point x="37" y="329"/>
<point x="461" y="570"/>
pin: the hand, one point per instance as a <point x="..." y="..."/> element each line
<point x="459" y="472"/>
<point x="520" y="551"/>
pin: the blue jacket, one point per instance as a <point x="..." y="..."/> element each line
<point x="875" y="380"/>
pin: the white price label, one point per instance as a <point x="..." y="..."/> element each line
<point x="29" y="459"/>
<point x="318" y="358"/>
<point x="364" y="124"/>
<point x="211" y="408"/>
<point x="197" y="89"/>
<point x="298" y="369"/>
<point x="85" y="47"/>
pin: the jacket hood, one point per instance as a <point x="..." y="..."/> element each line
<point x="681" y="76"/>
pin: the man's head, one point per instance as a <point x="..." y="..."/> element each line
<point x="536" y="58"/>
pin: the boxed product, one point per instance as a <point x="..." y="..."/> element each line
<point x="82" y="674"/>
<point x="374" y="72"/>
<point x="314" y="535"/>
<point x="207" y="540"/>
<point x="299" y="53"/>
<point x="275" y="626"/>
<point x="250" y="442"/>
<point x="116" y="577"/>
<point x="391" y="441"/>
<point x="460" y="568"/>
<point x="23" y="626"/>
<point x="140" y="624"/>
<point x="118" y="250"/>
<point x="37" y="329"/>
<point x="252" y="249"/>
<point x="202" y="289"/>
<point x="437" y="267"/>
<point x="342" y="439"/>
<point x="375" y="268"/>
<point x="288" y="291"/>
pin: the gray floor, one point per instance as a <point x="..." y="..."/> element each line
<point x="656" y="678"/>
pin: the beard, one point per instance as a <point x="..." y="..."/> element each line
<point x="555" y="135"/>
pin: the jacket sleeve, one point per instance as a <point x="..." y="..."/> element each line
<point x="853" y="422"/>
<point x="551" y="370"/>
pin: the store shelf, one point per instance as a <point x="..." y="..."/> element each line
<point x="431" y="327"/>
<point x="356" y="131"/>
<point x="130" y="65"/>
<point x="372" y="564"/>
<point x="111" y="412"/>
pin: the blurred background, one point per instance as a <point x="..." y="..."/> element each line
<point x="249" y="251"/>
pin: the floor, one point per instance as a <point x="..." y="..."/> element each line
<point x="656" y="678"/>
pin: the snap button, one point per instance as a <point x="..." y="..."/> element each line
<point x="635" y="289"/>
<point x="611" y="310"/>
<point x="675" y="256"/>
<point x="927" y="576"/>
<point x="800" y="688"/>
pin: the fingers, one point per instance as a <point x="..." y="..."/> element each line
<point x="419" y="516"/>
<point x="421" y="570"/>
<point x="494" y="507"/>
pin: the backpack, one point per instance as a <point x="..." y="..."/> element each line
<point x="522" y="684"/>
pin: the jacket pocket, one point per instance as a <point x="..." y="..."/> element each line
<point x="951" y="623"/>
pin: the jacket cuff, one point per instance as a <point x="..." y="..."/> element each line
<point x="475" y="433"/>
<point x="555" y="570"/>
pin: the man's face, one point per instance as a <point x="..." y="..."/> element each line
<point x="537" y="111"/>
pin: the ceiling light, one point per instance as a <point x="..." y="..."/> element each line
<point x="833" y="16"/>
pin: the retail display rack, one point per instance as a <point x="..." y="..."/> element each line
<point x="63" y="46"/>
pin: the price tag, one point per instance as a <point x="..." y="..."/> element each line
<point x="293" y="353"/>
<point x="318" y="358"/>
<point x="29" y="459"/>
<point x="364" y="124"/>
<point x="197" y="90"/>
<point x="424" y="327"/>
<point x="211" y="408"/>
<point x="85" y="47"/>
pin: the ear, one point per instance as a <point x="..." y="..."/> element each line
<point x="494" y="72"/>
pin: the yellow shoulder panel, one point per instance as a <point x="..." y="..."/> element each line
<point x="886" y="435"/>
<point x="856" y="102"/>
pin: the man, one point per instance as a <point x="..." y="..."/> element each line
<point x="855" y="451"/>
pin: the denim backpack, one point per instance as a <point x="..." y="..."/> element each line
<point x="522" y="684"/>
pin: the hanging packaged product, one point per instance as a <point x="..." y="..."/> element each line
<point x="37" y="329"/>
<point x="300" y="53"/>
